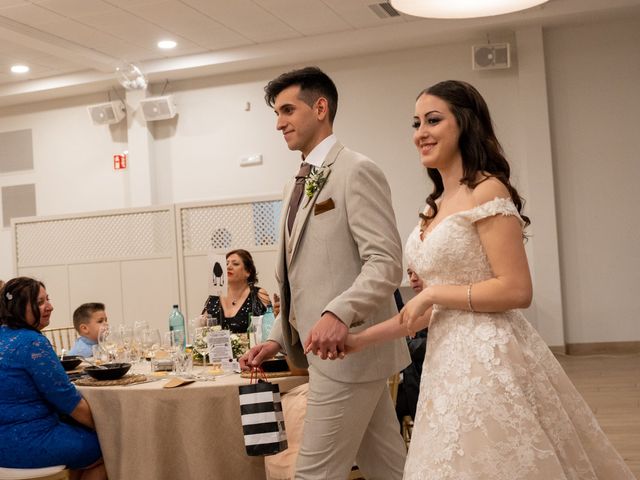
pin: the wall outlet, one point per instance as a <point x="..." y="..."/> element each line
<point x="251" y="160"/>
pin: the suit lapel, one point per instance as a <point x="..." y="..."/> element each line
<point x="307" y="203"/>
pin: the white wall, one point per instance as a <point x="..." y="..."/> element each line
<point x="196" y="155"/>
<point x="594" y="78"/>
<point x="73" y="165"/>
<point x="377" y="95"/>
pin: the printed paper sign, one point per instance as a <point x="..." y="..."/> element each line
<point x="219" y="342"/>
<point x="217" y="274"/>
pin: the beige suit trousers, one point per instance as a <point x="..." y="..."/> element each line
<point x="347" y="422"/>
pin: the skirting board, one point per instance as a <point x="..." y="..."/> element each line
<point x="601" y="348"/>
<point x="558" y="349"/>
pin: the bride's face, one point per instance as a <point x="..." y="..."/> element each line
<point x="436" y="132"/>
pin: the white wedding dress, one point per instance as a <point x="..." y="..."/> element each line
<point x="494" y="402"/>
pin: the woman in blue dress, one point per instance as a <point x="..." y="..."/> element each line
<point x="35" y="392"/>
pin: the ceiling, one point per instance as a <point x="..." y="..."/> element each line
<point x="74" y="46"/>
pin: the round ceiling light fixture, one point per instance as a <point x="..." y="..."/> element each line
<point x="167" y="44"/>
<point x="20" y="69"/>
<point x="462" y="8"/>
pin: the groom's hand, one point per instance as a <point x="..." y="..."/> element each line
<point x="327" y="337"/>
<point x="259" y="353"/>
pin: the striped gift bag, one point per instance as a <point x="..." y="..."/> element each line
<point x="262" y="419"/>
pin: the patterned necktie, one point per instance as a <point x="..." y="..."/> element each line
<point x="296" y="195"/>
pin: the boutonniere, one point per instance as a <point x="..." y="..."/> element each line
<point x="314" y="182"/>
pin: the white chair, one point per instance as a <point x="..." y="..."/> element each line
<point x="58" y="472"/>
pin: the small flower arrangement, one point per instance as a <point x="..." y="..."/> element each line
<point x="239" y="344"/>
<point x="314" y="182"/>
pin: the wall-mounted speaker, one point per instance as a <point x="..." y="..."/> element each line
<point x="107" y="113"/>
<point x="490" y="56"/>
<point x="158" y="108"/>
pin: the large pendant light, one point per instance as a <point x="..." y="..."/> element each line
<point x="462" y="8"/>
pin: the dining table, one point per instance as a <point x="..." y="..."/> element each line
<point x="194" y="431"/>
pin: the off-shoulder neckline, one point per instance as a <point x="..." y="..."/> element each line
<point x="423" y="235"/>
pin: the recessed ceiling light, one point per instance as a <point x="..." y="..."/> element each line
<point x="461" y="8"/>
<point x="166" y="44"/>
<point x="19" y="69"/>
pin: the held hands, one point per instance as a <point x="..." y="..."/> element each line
<point x="258" y="354"/>
<point x="327" y="337"/>
<point x="415" y="314"/>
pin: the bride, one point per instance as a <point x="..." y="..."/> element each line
<point x="494" y="402"/>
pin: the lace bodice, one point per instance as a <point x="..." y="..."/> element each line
<point x="494" y="402"/>
<point x="451" y="253"/>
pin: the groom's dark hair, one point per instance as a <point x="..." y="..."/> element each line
<point x="313" y="83"/>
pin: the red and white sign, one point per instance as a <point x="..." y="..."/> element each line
<point x="120" y="161"/>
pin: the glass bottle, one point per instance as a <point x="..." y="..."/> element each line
<point x="268" y="319"/>
<point x="251" y="332"/>
<point x="176" y="322"/>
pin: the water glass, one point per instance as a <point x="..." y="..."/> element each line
<point x="182" y="363"/>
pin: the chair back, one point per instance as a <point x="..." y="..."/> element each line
<point x="62" y="337"/>
<point x="58" y="472"/>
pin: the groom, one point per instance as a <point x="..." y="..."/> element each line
<point x="339" y="263"/>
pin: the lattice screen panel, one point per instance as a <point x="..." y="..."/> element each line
<point x="224" y="227"/>
<point x="95" y="238"/>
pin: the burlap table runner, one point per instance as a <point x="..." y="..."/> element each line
<point x="126" y="380"/>
<point x="247" y="374"/>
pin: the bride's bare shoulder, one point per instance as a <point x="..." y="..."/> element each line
<point x="488" y="189"/>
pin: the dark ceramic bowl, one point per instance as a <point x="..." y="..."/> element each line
<point x="275" y="365"/>
<point x="70" y="362"/>
<point x="112" y="371"/>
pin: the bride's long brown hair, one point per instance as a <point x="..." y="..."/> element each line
<point x="481" y="151"/>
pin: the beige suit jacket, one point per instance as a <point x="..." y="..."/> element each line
<point x="346" y="260"/>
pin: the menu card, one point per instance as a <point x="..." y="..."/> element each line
<point x="220" y="352"/>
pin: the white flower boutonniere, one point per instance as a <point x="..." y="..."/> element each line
<point x="314" y="182"/>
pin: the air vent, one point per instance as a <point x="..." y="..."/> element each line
<point x="384" y="10"/>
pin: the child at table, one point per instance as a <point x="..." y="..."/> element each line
<point x="87" y="320"/>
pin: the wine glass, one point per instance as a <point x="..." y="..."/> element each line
<point x="200" y="343"/>
<point x="150" y="342"/>
<point x="140" y="325"/>
<point x="129" y="343"/>
<point x="174" y="340"/>
<point x="107" y="341"/>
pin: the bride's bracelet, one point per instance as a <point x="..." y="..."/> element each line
<point x="469" y="298"/>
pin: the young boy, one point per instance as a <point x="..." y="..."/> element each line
<point x="87" y="320"/>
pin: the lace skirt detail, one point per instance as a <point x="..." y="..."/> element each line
<point x="495" y="404"/>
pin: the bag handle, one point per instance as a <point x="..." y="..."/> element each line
<point x="256" y="373"/>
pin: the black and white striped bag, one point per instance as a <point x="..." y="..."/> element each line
<point x="262" y="419"/>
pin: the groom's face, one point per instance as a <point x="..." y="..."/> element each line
<point x="299" y="122"/>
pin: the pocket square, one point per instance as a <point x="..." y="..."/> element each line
<point x="324" y="206"/>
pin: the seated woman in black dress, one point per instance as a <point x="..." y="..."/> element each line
<point x="243" y="297"/>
